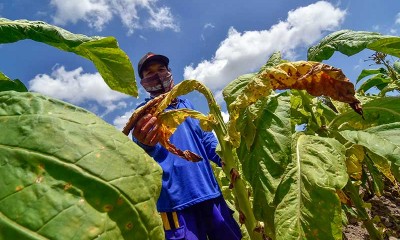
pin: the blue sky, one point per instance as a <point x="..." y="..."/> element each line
<point x="211" y="41"/>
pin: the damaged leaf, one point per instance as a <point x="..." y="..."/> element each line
<point x="170" y="120"/>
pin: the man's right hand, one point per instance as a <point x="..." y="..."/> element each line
<point x="146" y="130"/>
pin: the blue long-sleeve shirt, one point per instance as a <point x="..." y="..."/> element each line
<point x="186" y="183"/>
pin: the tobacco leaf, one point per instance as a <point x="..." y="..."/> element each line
<point x="316" y="78"/>
<point x="170" y="120"/>
<point x="151" y="108"/>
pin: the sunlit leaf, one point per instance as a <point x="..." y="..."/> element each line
<point x="316" y="78"/>
<point x="157" y="105"/>
<point x="347" y="42"/>
<point x="389" y="45"/>
<point x="170" y="120"/>
<point x="307" y="204"/>
<point x="67" y="174"/>
<point x="112" y="63"/>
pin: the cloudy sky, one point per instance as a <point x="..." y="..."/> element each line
<point x="211" y="41"/>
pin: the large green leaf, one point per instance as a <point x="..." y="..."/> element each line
<point x="111" y="62"/>
<point x="389" y="45"/>
<point x="307" y="205"/>
<point x="265" y="160"/>
<point x="383" y="140"/>
<point x="345" y="41"/>
<point x="66" y="174"/>
<point x="6" y="84"/>
<point x="376" y="112"/>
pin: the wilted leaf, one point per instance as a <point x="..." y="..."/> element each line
<point x="66" y="174"/>
<point x="354" y="158"/>
<point x="316" y="78"/>
<point x="111" y="62"/>
<point x="168" y="125"/>
<point x="170" y="120"/>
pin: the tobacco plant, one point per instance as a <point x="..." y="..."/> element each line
<point x="298" y="145"/>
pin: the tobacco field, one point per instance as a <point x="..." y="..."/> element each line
<point x="306" y="154"/>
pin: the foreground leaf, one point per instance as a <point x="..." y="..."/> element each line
<point x="66" y="174"/>
<point x="111" y="62"/>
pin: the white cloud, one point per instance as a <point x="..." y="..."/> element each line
<point x="208" y="25"/>
<point x="121" y="121"/>
<point x="397" y="21"/>
<point x="77" y="87"/>
<point x="241" y="53"/>
<point x="97" y="13"/>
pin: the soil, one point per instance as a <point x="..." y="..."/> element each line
<point x="385" y="208"/>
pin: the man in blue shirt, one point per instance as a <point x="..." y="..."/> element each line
<point x="190" y="203"/>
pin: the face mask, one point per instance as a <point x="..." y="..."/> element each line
<point x="158" y="83"/>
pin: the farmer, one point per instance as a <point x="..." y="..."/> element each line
<point x="190" y="203"/>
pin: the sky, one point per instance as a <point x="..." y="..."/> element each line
<point x="211" y="41"/>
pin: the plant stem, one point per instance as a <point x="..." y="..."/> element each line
<point x="239" y="188"/>
<point x="361" y="212"/>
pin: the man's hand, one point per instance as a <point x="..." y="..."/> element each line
<point x="146" y="130"/>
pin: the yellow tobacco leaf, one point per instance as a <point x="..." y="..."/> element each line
<point x="170" y="120"/>
<point x="316" y="78"/>
<point x="253" y="91"/>
<point x="354" y="158"/>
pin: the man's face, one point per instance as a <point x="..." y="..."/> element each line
<point x="154" y="67"/>
<point x="157" y="79"/>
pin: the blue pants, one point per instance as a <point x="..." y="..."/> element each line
<point x="211" y="218"/>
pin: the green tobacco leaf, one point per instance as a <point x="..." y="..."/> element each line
<point x="389" y="45"/>
<point x="368" y="72"/>
<point x="379" y="81"/>
<point x="313" y="112"/>
<point x="383" y="140"/>
<point x="307" y="204"/>
<point x="345" y="41"/>
<point x="66" y="174"/>
<point x="112" y="63"/>
<point x="265" y="160"/>
<point x="376" y="112"/>
<point x="6" y="84"/>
